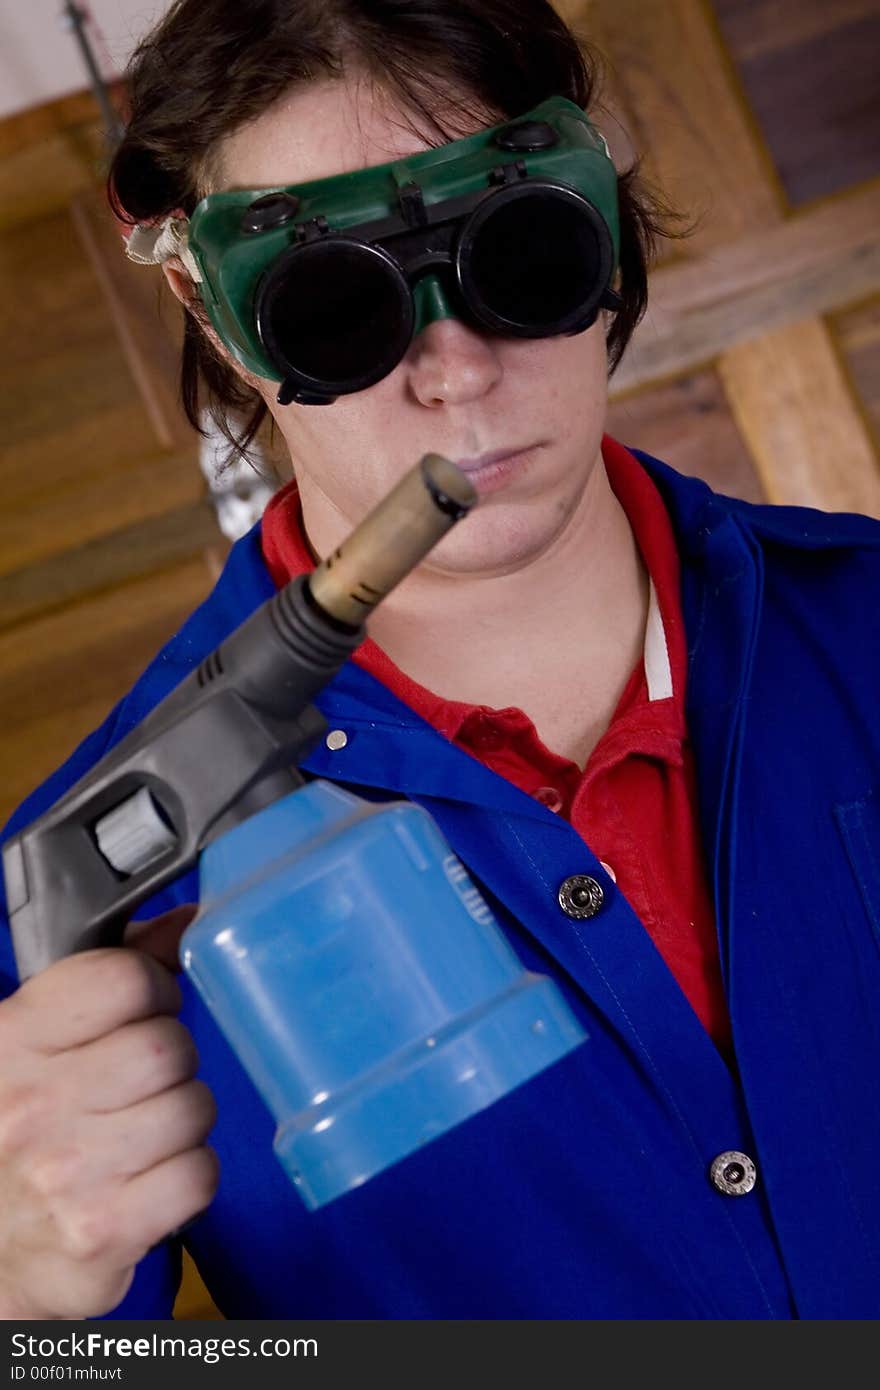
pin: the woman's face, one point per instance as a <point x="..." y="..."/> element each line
<point x="538" y="404"/>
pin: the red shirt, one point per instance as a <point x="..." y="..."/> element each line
<point x="635" y="802"/>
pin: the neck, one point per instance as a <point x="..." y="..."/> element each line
<point x="557" y="638"/>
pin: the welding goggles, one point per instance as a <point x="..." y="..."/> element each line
<point x="322" y="286"/>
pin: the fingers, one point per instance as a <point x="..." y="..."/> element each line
<point x="160" y="937"/>
<point x="94" y="1153"/>
<point x="135" y="1062"/>
<point x="89" y="995"/>
<point x="92" y="993"/>
<point x="153" y="1204"/>
<point x="102" y="1126"/>
<point x="145" y="1135"/>
<point x="100" y="1234"/>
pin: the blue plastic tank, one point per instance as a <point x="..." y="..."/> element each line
<point x="363" y="982"/>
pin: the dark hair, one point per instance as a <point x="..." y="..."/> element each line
<point x="212" y="65"/>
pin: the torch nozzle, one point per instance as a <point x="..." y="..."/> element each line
<point x="391" y="541"/>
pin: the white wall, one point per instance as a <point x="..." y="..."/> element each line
<point x="41" y="60"/>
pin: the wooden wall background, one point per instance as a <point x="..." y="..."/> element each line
<point x="757" y="366"/>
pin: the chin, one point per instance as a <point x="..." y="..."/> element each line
<point x="489" y="543"/>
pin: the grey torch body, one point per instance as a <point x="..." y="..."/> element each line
<point x="223" y="744"/>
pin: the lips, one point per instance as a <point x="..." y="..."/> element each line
<point x="490" y="472"/>
<point x="474" y="465"/>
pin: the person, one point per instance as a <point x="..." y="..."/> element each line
<point x="643" y="715"/>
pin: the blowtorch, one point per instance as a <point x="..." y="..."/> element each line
<point x="340" y="945"/>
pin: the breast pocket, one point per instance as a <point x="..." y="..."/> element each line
<point x="859" y="823"/>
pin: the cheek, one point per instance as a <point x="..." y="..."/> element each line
<point x="580" y="366"/>
<point x="561" y="369"/>
<point x="356" y="433"/>
<point x="345" y="450"/>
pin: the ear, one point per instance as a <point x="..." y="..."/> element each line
<point x="184" y="290"/>
<point x="182" y="286"/>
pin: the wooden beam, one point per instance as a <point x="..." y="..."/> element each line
<point x="811" y="454"/>
<point x="148" y="546"/>
<point x="60" y="674"/>
<point x="810" y="264"/>
<point x="148" y="325"/>
<point x="680" y="97"/>
<point x="194" y="1303"/>
<point x="786" y="24"/>
<point x="857" y="335"/>
<point x="49" y="118"/>
<point x="704" y="147"/>
<point x="688" y="419"/>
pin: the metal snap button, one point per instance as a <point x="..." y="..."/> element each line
<point x="336" y="739"/>
<point x="581" y="896"/>
<point x="733" y="1173"/>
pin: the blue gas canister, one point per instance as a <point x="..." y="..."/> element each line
<point x="363" y="982"/>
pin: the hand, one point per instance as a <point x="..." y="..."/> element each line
<point x="102" y="1127"/>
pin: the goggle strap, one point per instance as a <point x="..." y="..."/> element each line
<point x="153" y="243"/>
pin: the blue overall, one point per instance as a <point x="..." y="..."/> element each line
<point x="586" y="1192"/>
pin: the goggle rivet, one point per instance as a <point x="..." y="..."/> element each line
<point x="270" y="211"/>
<point x="527" y="135"/>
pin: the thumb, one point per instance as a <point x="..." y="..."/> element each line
<point x="160" y="936"/>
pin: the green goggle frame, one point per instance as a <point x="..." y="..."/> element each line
<point x="323" y="285"/>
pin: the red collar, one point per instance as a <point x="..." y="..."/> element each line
<point x="650" y="712"/>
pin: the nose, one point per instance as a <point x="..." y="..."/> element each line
<point x="450" y="363"/>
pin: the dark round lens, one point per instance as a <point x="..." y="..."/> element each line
<point x="335" y="313"/>
<point x="537" y="262"/>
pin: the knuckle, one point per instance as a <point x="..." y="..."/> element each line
<point x="52" y="1174"/>
<point x="170" y="1048"/>
<point x="23" y="1112"/>
<point x="85" y="1228"/>
<point x="128" y="979"/>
